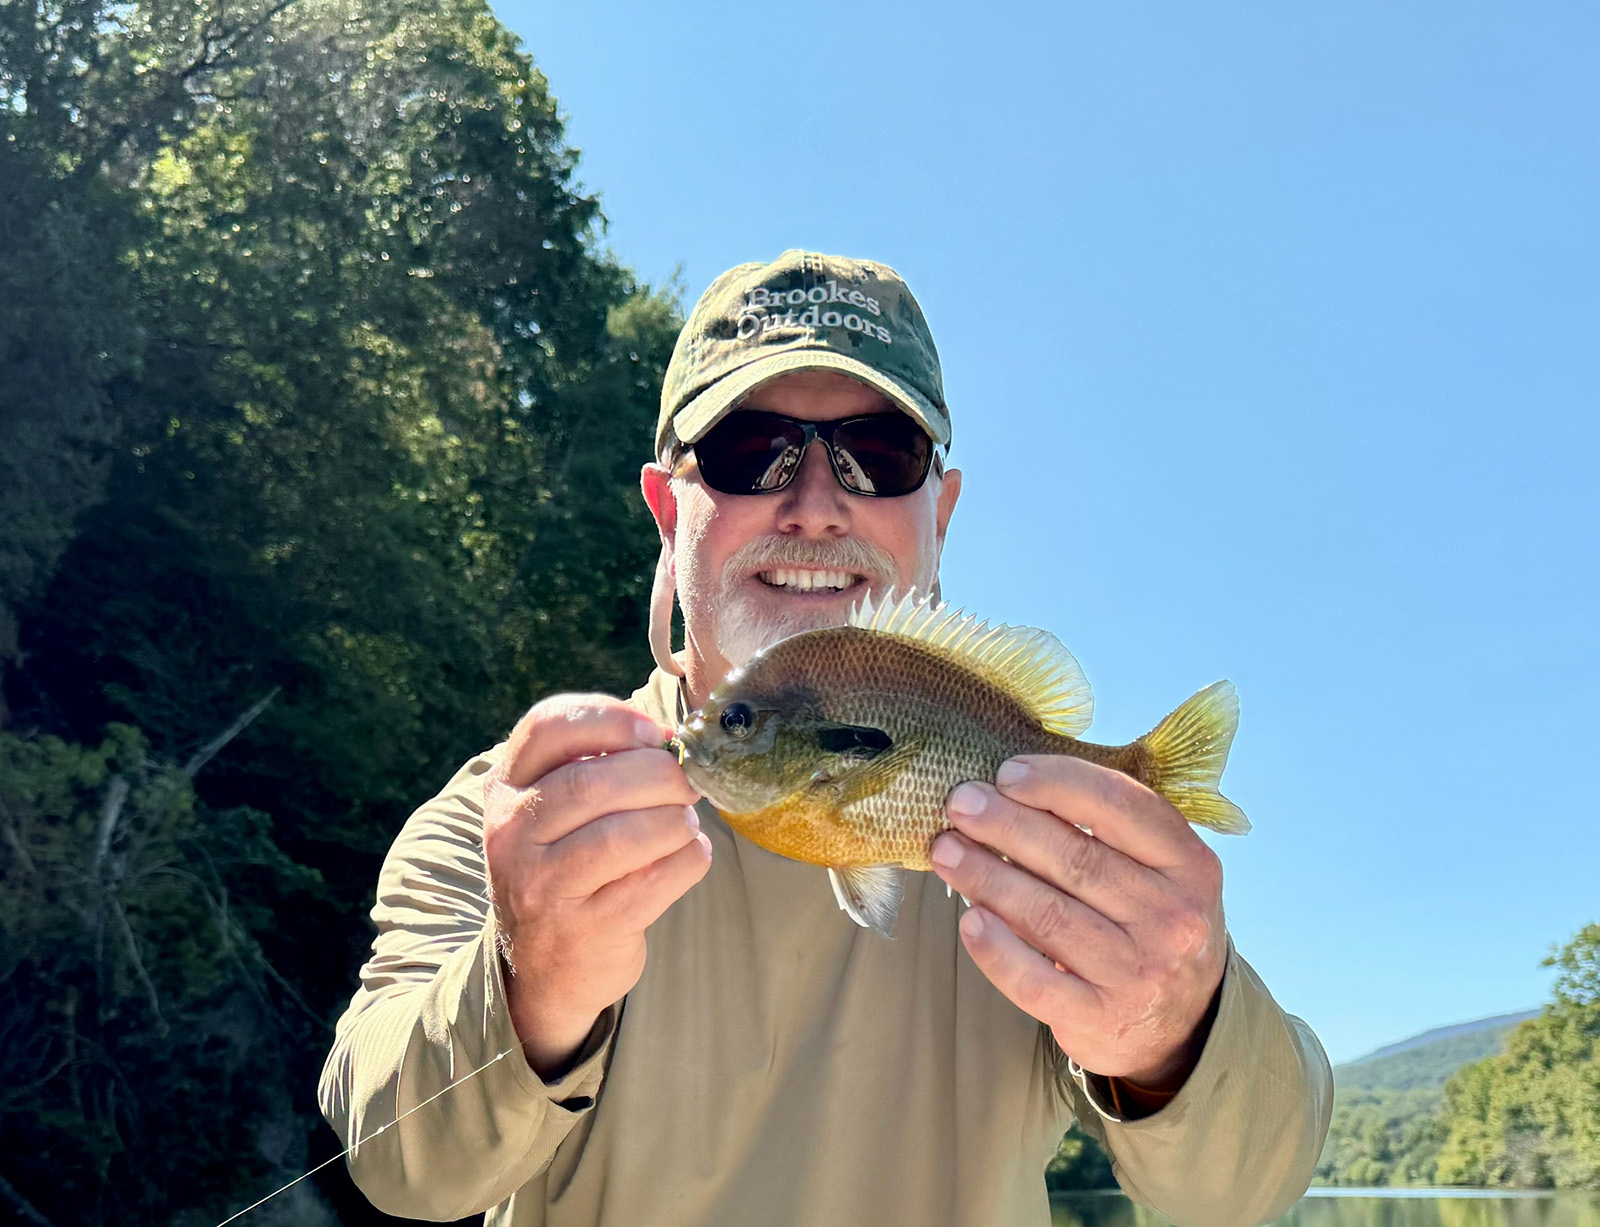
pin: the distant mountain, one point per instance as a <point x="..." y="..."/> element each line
<point x="1386" y="1103"/>
<point x="1427" y="1060"/>
<point x="1499" y="1022"/>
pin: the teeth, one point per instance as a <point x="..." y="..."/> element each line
<point x="807" y="581"/>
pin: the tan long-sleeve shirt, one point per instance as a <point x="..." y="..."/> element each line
<point x="775" y="1064"/>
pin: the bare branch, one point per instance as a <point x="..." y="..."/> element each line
<point x="21" y="1093"/>
<point x="215" y="45"/>
<point x="212" y="748"/>
<point x="239" y="943"/>
<point x="14" y="837"/>
<point x="23" y="1206"/>
<point x="138" y="964"/>
<point x="110" y="811"/>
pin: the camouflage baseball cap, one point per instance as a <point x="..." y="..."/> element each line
<point x="802" y="312"/>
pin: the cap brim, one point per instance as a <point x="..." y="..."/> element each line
<point x="702" y="413"/>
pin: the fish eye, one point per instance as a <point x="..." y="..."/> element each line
<point x="738" y="720"/>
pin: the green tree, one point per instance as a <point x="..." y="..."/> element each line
<point x="1079" y="1163"/>
<point x="1578" y="985"/>
<point x="1530" y="1116"/>
<point x="135" y="999"/>
<point x="359" y="429"/>
<point x="1380" y="1136"/>
<point x="88" y="91"/>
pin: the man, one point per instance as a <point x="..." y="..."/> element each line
<point x="694" y="1033"/>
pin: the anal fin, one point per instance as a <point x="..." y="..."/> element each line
<point x="869" y="894"/>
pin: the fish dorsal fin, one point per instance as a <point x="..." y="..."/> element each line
<point x="1029" y="664"/>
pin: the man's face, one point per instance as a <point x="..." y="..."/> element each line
<point x="753" y="568"/>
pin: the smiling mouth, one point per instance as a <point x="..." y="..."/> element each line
<point x="795" y="579"/>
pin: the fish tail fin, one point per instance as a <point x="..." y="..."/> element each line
<point x="1188" y="751"/>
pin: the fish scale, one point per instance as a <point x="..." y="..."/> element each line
<point x="838" y="747"/>
<point x="967" y="726"/>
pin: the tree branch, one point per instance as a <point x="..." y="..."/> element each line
<point x="14" y="837"/>
<point x="212" y="748"/>
<point x="20" y="1093"/>
<point x="236" y="940"/>
<point x="23" y="1206"/>
<point x="110" y="811"/>
<point x="138" y="964"/>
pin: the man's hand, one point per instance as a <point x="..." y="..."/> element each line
<point x="1128" y="920"/>
<point x="590" y="834"/>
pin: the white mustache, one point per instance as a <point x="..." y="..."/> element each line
<point x="845" y="554"/>
<point x="741" y="632"/>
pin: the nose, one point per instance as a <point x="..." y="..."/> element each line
<point x="814" y="504"/>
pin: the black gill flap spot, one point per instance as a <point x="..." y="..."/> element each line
<point x="857" y="740"/>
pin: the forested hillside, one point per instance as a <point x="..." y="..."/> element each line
<point x="1516" y="1104"/>
<point x="1429" y="1060"/>
<point x="321" y="411"/>
<point x="1529" y="1117"/>
<point x="1385" y="1127"/>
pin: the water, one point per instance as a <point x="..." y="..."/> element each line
<point x="1370" y="1208"/>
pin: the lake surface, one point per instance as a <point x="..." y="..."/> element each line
<point x="1369" y="1208"/>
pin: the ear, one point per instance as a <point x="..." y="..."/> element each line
<point x="949" y="492"/>
<point x="655" y="480"/>
<point x="944" y="506"/>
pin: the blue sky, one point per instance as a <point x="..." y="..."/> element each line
<point x="1271" y="334"/>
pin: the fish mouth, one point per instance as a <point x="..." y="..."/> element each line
<point x="691" y="748"/>
<point x="697" y="762"/>
<point x="821" y="581"/>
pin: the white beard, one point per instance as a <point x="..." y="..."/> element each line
<point x="743" y="629"/>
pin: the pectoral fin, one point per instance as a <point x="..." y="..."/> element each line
<point x="868" y="777"/>
<point x="869" y="894"/>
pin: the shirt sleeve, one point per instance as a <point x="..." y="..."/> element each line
<point x="1238" y="1143"/>
<point x="427" y="1082"/>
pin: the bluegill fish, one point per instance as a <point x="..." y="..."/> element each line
<point x="838" y="747"/>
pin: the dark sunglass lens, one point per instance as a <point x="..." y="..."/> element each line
<point x="887" y="454"/>
<point x="749" y="452"/>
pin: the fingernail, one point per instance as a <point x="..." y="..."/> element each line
<point x="1011" y="772"/>
<point x="648" y="732"/>
<point x="947" y="852"/>
<point x="968" y="800"/>
<point x="704" y="841"/>
<point x="972" y="923"/>
<point x="693" y="816"/>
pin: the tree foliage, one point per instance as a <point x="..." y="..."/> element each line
<point x="1381" y="1137"/>
<point x="1530" y="1116"/>
<point x="1079" y="1163"/>
<point x="1526" y="1116"/>
<point x="319" y="401"/>
<point x="135" y="1002"/>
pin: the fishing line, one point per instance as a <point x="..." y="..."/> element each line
<point x="674" y="745"/>
<point x="348" y="1150"/>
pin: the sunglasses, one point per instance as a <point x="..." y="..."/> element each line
<point x="752" y="451"/>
